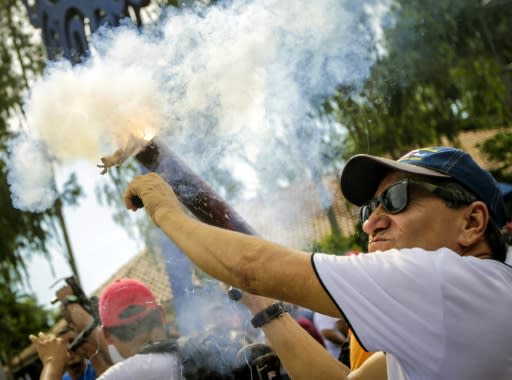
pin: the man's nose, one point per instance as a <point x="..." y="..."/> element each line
<point x="377" y="220"/>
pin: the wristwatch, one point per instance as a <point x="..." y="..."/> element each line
<point x="266" y="315"/>
<point x="70" y="298"/>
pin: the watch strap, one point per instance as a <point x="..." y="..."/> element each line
<point x="268" y="314"/>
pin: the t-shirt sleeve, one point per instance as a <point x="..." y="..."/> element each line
<point x="154" y="366"/>
<point x="392" y="300"/>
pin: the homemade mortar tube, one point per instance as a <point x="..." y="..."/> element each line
<point x="192" y="191"/>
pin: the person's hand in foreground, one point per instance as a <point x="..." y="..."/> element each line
<point x="53" y="353"/>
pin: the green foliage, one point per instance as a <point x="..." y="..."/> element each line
<point x="24" y="317"/>
<point x="443" y="72"/>
<point x="71" y="191"/>
<point x="499" y="149"/>
<point x="22" y="60"/>
<point x="340" y="245"/>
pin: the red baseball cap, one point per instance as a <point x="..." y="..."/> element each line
<point x="119" y="296"/>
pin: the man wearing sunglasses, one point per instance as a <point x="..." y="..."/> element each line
<point x="435" y="295"/>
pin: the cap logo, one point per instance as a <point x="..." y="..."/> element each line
<point x="420" y="154"/>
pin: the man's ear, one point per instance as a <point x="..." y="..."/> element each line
<point x="162" y="314"/>
<point x="476" y="217"/>
<point x="106" y="334"/>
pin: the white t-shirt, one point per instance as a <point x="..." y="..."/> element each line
<point x="437" y="315"/>
<point x="509" y="255"/>
<point x="325" y="322"/>
<point x="153" y="366"/>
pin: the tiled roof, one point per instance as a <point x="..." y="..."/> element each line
<point x="148" y="268"/>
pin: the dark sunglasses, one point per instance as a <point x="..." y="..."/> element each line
<point x="396" y="197"/>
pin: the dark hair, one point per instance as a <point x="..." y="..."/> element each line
<point x="129" y="331"/>
<point x="456" y="196"/>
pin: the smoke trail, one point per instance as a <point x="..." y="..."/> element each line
<point x="250" y="70"/>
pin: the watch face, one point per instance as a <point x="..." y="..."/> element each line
<point x="71" y="298"/>
<point x="268" y="314"/>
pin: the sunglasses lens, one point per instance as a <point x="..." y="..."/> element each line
<point x="364" y="212"/>
<point x="394" y="199"/>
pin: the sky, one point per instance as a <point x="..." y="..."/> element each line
<point x="100" y="245"/>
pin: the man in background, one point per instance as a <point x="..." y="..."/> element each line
<point x="134" y="322"/>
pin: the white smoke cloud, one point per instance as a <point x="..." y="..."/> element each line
<point x="250" y="69"/>
<point x="76" y="110"/>
<point x="30" y="175"/>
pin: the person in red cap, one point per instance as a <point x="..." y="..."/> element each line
<point x="437" y="270"/>
<point x="134" y="322"/>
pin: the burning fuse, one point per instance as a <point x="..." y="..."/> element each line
<point x="132" y="147"/>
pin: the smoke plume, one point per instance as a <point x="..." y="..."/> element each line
<point x="249" y="70"/>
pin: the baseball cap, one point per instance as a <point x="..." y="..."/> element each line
<point x="121" y="295"/>
<point x="363" y="173"/>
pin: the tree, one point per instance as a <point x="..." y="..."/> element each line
<point x="498" y="148"/>
<point x="22" y="59"/>
<point x="24" y="317"/>
<point x="24" y="234"/>
<point x="341" y="245"/>
<point x="443" y="72"/>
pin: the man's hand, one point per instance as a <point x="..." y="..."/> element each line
<point x="76" y="316"/>
<point x="156" y="195"/>
<point x="64" y="292"/>
<point x="52" y="351"/>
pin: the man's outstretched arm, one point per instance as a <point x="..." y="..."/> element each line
<point x="301" y="355"/>
<point x="247" y="262"/>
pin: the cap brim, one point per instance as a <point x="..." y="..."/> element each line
<point x="363" y="173"/>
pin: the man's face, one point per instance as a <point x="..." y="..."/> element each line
<point x="124" y="348"/>
<point x="425" y="223"/>
<point x="76" y="363"/>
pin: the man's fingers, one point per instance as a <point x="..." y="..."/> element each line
<point x="132" y="196"/>
<point x="132" y="199"/>
<point x="129" y="196"/>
